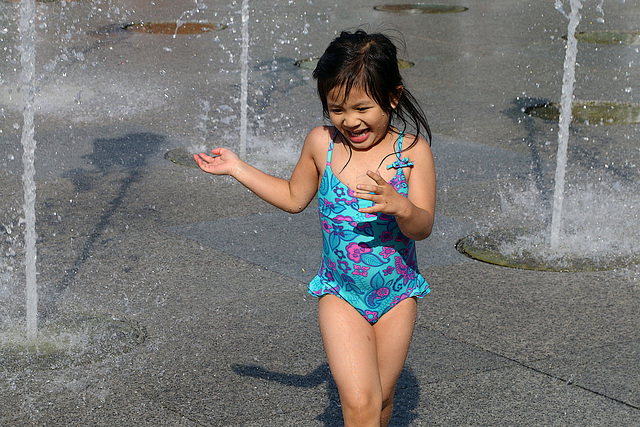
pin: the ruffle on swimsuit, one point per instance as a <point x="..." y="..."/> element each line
<point x="366" y="260"/>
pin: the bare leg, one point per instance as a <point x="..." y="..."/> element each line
<point x="393" y="335"/>
<point x="351" y="348"/>
<point x="366" y="361"/>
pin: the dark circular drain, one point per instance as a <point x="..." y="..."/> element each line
<point x="41" y="1"/>
<point x="610" y="37"/>
<point x="68" y="341"/>
<point x="487" y="247"/>
<point x="111" y="31"/>
<point x="170" y="28"/>
<point x="310" y="64"/>
<point x="591" y="112"/>
<point x="183" y="156"/>
<point x="418" y="8"/>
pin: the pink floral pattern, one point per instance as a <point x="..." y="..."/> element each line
<point x="366" y="260"/>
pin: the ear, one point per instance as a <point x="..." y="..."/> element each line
<point x="395" y="98"/>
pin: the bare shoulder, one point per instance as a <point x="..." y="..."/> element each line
<point x="320" y="135"/>
<point x="317" y="142"/>
<point x="418" y="151"/>
<point x="419" y="148"/>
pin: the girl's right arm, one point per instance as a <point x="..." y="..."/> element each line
<point x="293" y="195"/>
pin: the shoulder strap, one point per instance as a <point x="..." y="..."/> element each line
<point x="330" y="151"/>
<point x="399" y="151"/>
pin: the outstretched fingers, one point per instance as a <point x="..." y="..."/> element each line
<point x="218" y="163"/>
<point x="203" y="161"/>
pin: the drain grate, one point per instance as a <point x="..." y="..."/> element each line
<point x="183" y="156"/>
<point x="591" y="112"/>
<point x="419" y="8"/>
<point x="42" y="1"/>
<point x="169" y="28"/>
<point x="69" y="341"/>
<point x="488" y="247"/>
<point x="610" y="37"/>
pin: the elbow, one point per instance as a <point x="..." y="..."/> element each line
<point x="423" y="234"/>
<point x="294" y="209"/>
<point x="425" y="231"/>
<point x="417" y="235"/>
<point x="417" y="226"/>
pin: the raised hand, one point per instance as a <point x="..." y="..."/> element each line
<point x="385" y="198"/>
<point x="222" y="162"/>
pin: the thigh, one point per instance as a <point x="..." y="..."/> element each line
<point x="350" y="345"/>
<point x="393" y="335"/>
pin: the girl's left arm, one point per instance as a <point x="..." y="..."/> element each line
<point x="414" y="213"/>
<point x="417" y="222"/>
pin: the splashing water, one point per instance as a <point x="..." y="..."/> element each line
<point x="27" y="47"/>
<point x="188" y="14"/>
<point x="601" y="11"/>
<point x="598" y="231"/>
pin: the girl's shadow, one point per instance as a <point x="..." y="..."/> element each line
<point x="406" y="398"/>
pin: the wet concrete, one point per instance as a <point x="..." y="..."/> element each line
<point x="216" y="278"/>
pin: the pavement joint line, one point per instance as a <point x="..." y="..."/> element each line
<point x="180" y="414"/>
<point x="568" y="381"/>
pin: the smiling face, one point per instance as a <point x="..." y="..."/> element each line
<point x="358" y="117"/>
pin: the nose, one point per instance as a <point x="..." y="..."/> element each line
<point x="351" y="120"/>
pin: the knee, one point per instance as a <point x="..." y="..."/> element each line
<point x="387" y="402"/>
<point x="387" y="411"/>
<point x="361" y="408"/>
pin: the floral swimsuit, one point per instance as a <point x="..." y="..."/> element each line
<point x="366" y="260"/>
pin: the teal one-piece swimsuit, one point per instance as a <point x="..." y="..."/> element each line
<point x="366" y="260"/>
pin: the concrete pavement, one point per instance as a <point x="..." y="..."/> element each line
<point x="213" y="280"/>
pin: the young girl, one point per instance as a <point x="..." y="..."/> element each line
<point x="376" y="191"/>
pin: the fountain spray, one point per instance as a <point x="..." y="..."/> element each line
<point x="244" y="78"/>
<point x="568" y="81"/>
<point x="27" y="59"/>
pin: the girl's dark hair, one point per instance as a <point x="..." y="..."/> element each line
<point x="369" y="61"/>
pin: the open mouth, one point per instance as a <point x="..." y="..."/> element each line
<point x="359" y="135"/>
